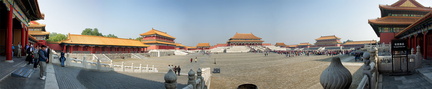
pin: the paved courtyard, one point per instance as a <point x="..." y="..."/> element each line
<point x="272" y="72"/>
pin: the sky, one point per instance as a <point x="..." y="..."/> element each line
<point x="215" y="21"/>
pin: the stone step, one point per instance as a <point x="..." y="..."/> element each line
<point x="23" y="72"/>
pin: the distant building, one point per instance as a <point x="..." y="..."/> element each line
<point x="325" y="41"/>
<point x="396" y="17"/>
<point x="15" y="18"/>
<point x="98" y="44"/>
<point x="158" y="40"/>
<point x="38" y="31"/>
<point x="291" y="46"/>
<point x="203" y="46"/>
<point x="358" y="44"/>
<point x="244" y="39"/>
<point x="280" y="45"/>
<point x="304" y="45"/>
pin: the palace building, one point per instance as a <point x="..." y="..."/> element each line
<point x="244" y="39"/>
<point x="203" y="46"/>
<point x="98" y="44"/>
<point x="15" y="18"/>
<point x="396" y="17"/>
<point x="325" y="41"/>
<point x="38" y="31"/>
<point x="304" y="45"/>
<point x="358" y="44"/>
<point x="158" y="40"/>
<point x="417" y="34"/>
<point x="280" y="45"/>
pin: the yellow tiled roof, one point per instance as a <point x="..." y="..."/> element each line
<point x="36" y="24"/>
<point x="328" y="37"/>
<point x="301" y="44"/>
<point x="38" y="33"/>
<point x="98" y="40"/>
<point x="291" y="46"/>
<point x="32" y="38"/>
<point x="160" y="42"/>
<point x="154" y="31"/>
<point x="180" y="45"/>
<point x="280" y="44"/>
<point x="188" y="47"/>
<point x="203" y="45"/>
<point x="245" y="41"/>
<point x="360" y="42"/>
<point x="244" y="36"/>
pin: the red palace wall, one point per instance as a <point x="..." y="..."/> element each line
<point x="386" y="37"/>
<point x="55" y="46"/>
<point x="157" y="38"/>
<point x="160" y="47"/>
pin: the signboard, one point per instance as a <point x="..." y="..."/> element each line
<point x="399" y="45"/>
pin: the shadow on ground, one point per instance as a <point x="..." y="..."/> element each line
<point x="114" y="80"/>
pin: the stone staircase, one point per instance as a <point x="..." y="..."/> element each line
<point x="23" y="72"/>
<point x="138" y="56"/>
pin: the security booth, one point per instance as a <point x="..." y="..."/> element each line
<point x="400" y="59"/>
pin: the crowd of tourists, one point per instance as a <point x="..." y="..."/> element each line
<point x="176" y="69"/>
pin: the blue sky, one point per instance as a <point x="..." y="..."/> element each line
<point x="215" y="21"/>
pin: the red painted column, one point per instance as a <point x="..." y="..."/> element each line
<point x="64" y="48"/>
<point x="92" y="49"/>
<point x="26" y="36"/>
<point x="415" y="43"/>
<point x="9" y="35"/>
<point x="409" y="43"/>
<point x="71" y="47"/>
<point x="424" y="44"/>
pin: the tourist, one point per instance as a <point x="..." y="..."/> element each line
<point x="35" y="57"/>
<point x="196" y="59"/>
<point x="13" y="48"/>
<point x="175" y="69"/>
<point x="19" y="50"/>
<point x="43" y="60"/>
<point x="191" y="60"/>
<point x="178" y="70"/>
<point x="62" y="59"/>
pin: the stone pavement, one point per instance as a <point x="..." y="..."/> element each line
<point x="33" y="82"/>
<point x="414" y="81"/>
<point x="422" y="79"/>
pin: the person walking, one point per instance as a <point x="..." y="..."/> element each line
<point x="191" y="60"/>
<point x="19" y="50"/>
<point x="175" y="69"/>
<point x="35" y="59"/>
<point x="62" y="59"/>
<point x="13" y="48"/>
<point x="43" y="60"/>
<point x="196" y="59"/>
<point x="178" y="70"/>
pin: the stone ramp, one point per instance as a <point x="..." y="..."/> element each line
<point x="33" y="82"/>
<point x="23" y="72"/>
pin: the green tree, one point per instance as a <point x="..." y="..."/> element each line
<point x="111" y="35"/>
<point x="139" y="38"/>
<point x="92" y="32"/>
<point x="56" y="37"/>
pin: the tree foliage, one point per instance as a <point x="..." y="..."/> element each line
<point x="111" y="35"/>
<point x="56" y="37"/>
<point x="92" y="32"/>
<point x="139" y="38"/>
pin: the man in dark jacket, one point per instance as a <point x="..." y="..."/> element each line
<point x="43" y="60"/>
